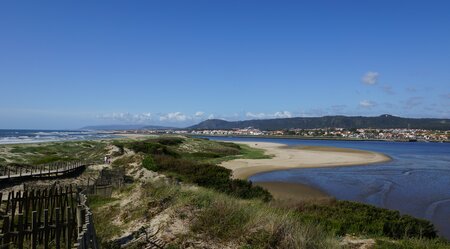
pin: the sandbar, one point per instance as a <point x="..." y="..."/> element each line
<point x="285" y="157"/>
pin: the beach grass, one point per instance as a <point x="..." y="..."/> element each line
<point x="219" y="218"/>
<point x="41" y="153"/>
<point x="345" y="217"/>
<point x="227" y="211"/>
<point x="412" y="243"/>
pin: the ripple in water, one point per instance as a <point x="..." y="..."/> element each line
<point x="415" y="182"/>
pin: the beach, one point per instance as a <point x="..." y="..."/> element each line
<point x="284" y="157"/>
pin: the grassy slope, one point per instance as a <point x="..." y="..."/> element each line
<point x="219" y="217"/>
<point x="254" y="224"/>
<point x="34" y="154"/>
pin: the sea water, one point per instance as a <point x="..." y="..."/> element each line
<point x="38" y="136"/>
<point x="415" y="182"/>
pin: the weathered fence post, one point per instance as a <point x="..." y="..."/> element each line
<point x="5" y="230"/>
<point x="58" y="228"/>
<point x="46" y="229"/>
<point x="69" y="228"/>
<point x="34" y="230"/>
<point x="20" y="231"/>
<point x="79" y="219"/>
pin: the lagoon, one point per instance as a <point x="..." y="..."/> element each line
<point x="415" y="182"/>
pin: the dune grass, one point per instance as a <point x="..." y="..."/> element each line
<point x="34" y="154"/>
<point x="412" y="243"/>
<point x="219" y="218"/>
<point x="345" y="217"/>
<point x="225" y="211"/>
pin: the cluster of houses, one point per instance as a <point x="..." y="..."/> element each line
<point x="378" y="134"/>
<point x="381" y="134"/>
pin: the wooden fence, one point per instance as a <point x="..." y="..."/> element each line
<point x="48" y="170"/>
<point x="50" y="218"/>
<point x="86" y="239"/>
<point x="104" y="184"/>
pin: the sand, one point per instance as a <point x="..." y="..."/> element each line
<point x="293" y="192"/>
<point x="284" y="157"/>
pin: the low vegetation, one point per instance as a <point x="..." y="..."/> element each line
<point x="35" y="154"/>
<point x="345" y="217"/>
<point x="412" y="243"/>
<point x="172" y="157"/>
<point x="219" y="219"/>
<point x="212" y="210"/>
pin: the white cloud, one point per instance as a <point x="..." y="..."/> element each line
<point x="283" y="114"/>
<point x="255" y="115"/>
<point x="370" y="78"/>
<point x="199" y="114"/>
<point x="261" y="115"/>
<point x="366" y="104"/>
<point x="174" y="116"/>
<point x="127" y="117"/>
<point x="211" y="116"/>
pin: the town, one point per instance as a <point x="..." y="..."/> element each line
<point x="409" y="135"/>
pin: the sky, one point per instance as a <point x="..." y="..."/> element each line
<point x="68" y="64"/>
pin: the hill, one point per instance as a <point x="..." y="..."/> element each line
<point x="379" y="122"/>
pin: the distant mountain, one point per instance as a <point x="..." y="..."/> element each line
<point x="126" y="127"/>
<point x="381" y="122"/>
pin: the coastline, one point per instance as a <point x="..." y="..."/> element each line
<point x="284" y="157"/>
<point x="319" y="138"/>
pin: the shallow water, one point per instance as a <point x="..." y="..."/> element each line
<point x="415" y="182"/>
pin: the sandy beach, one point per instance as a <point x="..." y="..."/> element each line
<point x="284" y="157"/>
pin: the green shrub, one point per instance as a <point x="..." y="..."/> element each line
<point x="223" y="219"/>
<point x="149" y="163"/>
<point x="151" y="148"/>
<point x="345" y="217"/>
<point x="204" y="155"/>
<point x="413" y="243"/>
<point x="121" y="148"/>
<point x="167" y="140"/>
<point x="245" y="189"/>
<point x="210" y="176"/>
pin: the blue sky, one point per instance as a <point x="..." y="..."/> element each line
<point x="67" y="64"/>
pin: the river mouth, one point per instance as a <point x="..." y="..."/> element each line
<point x="415" y="182"/>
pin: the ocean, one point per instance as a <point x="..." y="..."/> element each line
<point x="35" y="136"/>
<point x="415" y="182"/>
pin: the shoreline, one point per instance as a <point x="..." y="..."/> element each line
<point x="320" y="138"/>
<point x="285" y="157"/>
<point x="293" y="193"/>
